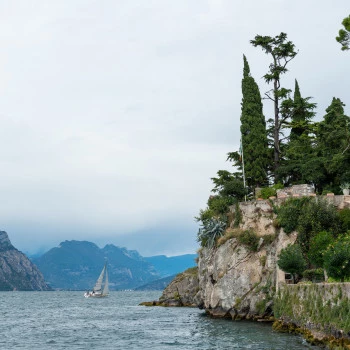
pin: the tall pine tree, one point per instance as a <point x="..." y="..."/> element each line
<point x="333" y="136"/>
<point x="282" y="52"/>
<point x="253" y="132"/>
<point x="299" y="151"/>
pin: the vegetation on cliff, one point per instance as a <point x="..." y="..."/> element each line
<point x="323" y="237"/>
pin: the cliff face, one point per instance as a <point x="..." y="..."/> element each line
<point x="182" y="291"/>
<point x="239" y="283"/>
<point x="17" y="272"/>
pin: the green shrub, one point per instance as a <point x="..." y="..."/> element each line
<point x="344" y="215"/>
<point x="318" y="245"/>
<point x="291" y="260"/>
<point x="268" y="239"/>
<point x="250" y="239"/>
<point x="337" y="258"/>
<point x="205" y="214"/>
<point x="315" y="275"/>
<point x="220" y="205"/>
<point x="267" y="192"/>
<point x="315" y="217"/>
<point x="289" y="212"/>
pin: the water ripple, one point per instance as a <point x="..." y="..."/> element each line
<point x="66" y="320"/>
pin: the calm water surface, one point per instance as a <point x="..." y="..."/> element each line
<point x="67" y="320"/>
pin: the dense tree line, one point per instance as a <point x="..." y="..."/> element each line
<point x="289" y="148"/>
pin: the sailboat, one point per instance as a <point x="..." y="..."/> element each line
<point x="97" y="291"/>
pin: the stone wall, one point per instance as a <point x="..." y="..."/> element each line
<point x="296" y="191"/>
<point x="322" y="309"/>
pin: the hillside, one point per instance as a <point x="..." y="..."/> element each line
<point x="75" y="265"/>
<point x="159" y="284"/>
<point x="17" y="272"/>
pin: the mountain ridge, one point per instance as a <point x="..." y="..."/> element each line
<point x="75" y="265"/>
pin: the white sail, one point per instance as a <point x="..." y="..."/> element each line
<point x="98" y="285"/>
<point x="97" y="290"/>
<point x="105" y="288"/>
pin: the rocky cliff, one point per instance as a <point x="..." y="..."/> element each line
<point x="17" y="272"/>
<point x="237" y="281"/>
<point x="233" y="280"/>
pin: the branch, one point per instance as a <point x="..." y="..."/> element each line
<point x="269" y="97"/>
<point x="347" y="147"/>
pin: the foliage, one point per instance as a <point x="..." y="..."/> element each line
<point x="344" y="216"/>
<point x="318" y="245"/>
<point x="291" y="260"/>
<point x="299" y="151"/>
<point x="282" y="52"/>
<point x="314" y="275"/>
<point x="205" y="214"/>
<point x="253" y="130"/>
<point x="267" y="192"/>
<point x="220" y="205"/>
<point x="316" y="216"/>
<point x="229" y="189"/>
<point x="250" y="239"/>
<point x="333" y="147"/>
<point x="344" y="34"/>
<point x="337" y="258"/>
<point x="228" y="185"/>
<point x="210" y="231"/>
<point x="288" y="213"/>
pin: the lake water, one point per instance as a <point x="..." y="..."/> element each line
<point x="67" y="320"/>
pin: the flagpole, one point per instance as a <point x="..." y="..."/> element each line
<point x="245" y="195"/>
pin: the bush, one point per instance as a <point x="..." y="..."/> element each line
<point x="250" y="239"/>
<point x="205" y="214"/>
<point x="267" y="192"/>
<point x="220" y="205"/>
<point x="291" y="260"/>
<point x="337" y="258"/>
<point x="344" y="215"/>
<point x="289" y="212"/>
<point x="318" y="245"/>
<point x="315" y="217"/>
<point x="314" y="275"/>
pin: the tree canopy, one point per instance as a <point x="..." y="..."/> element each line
<point x="343" y="37"/>
<point x="282" y="52"/>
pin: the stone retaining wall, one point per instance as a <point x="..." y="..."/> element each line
<point x="322" y="308"/>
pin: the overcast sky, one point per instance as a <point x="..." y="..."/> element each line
<point x="115" y="114"/>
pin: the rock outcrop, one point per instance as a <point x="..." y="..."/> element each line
<point x="235" y="281"/>
<point x="182" y="291"/>
<point x="17" y="272"/>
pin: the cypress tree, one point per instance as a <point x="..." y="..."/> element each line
<point x="334" y="145"/>
<point x="253" y="131"/>
<point x="295" y="165"/>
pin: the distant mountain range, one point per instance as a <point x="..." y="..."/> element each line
<point x="75" y="265"/>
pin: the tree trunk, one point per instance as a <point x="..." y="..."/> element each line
<point x="276" y="134"/>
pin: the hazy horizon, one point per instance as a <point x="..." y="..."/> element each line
<point x="115" y="114"/>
